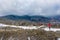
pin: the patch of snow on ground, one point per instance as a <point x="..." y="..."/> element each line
<point x="31" y="27"/>
<point x="51" y="29"/>
<point x="23" y="27"/>
<point x="3" y="25"/>
<point x="58" y="39"/>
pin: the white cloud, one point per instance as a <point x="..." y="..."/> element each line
<point x="29" y="7"/>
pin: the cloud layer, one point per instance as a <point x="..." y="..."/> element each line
<point x="30" y="7"/>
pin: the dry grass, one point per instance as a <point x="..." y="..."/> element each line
<point x="20" y="34"/>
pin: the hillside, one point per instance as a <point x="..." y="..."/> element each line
<point x="23" y="20"/>
<point x="26" y="17"/>
<point x="28" y="20"/>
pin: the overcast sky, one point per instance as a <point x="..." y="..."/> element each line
<point x="30" y="7"/>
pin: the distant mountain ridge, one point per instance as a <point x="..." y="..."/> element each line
<point x="26" y="17"/>
<point x="56" y="17"/>
<point x="32" y="18"/>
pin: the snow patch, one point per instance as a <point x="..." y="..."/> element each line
<point x="23" y="27"/>
<point x="31" y="27"/>
<point x="3" y="25"/>
<point x="58" y="38"/>
<point x="51" y="29"/>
